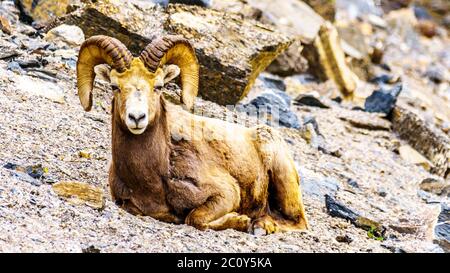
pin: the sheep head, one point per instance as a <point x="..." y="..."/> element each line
<point x="133" y="80"/>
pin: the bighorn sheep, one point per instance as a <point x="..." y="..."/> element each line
<point x="178" y="167"/>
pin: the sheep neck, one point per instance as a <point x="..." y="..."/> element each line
<point x="142" y="161"/>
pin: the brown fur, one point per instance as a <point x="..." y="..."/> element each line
<point x="185" y="168"/>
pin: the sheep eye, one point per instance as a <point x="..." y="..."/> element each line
<point x="115" y="88"/>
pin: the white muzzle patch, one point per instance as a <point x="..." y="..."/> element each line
<point x="136" y="114"/>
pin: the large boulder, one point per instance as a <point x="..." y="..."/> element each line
<point x="284" y="16"/>
<point x="327" y="60"/>
<point x="231" y="50"/>
<point x="429" y="141"/>
<point x="42" y="11"/>
<point x="325" y="8"/>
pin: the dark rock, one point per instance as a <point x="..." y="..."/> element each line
<point x="382" y="100"/>
<point x="436" y="73"/>
<point x="10" y="166"/>
<point x="384" y="79"/>
<point x="344" y="239"/>
<point x="272" y="81"/>
<point x="376" y="56"/>
<point x="30" y="174"/>
<point x="336" y="209"/>
<point x="29" y="63"/>
<point x="393" y="249"/>
<point x="437" y="186"/>
<point x="201" y="3"/>
<point x="337" y="99"/>
<point x="357" y="108"/>
<point x="310" y="100"/>
<point x="353" y="183"/>
<point x="426" y="139"/>
<point x="442" y="229"/>
<point x="275" y="106"/>
<point x="385" y="67"/>
<point x="421" y="13"/>
<point x="35" y="171"/>
<point x="382" y="192"/>
<point x="91" y="249"/>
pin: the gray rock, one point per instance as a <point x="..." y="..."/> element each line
<point x="272" y="81"/>
<point x="310" y="100"/>
<point x="201" y="3"/>
<point x="274" y="105"/>
<point x="429" y="141"/>
<point x="344" y="239"/>
<point x="337" y="209"/>
<point x="382" y="100"/>
<point x="437" y="186"/>
<point x="442" y="228"/>
<point x="353" y="9"/>
<point x="15" y="67"/>
<point x="316" y="185"/>
<point x="353" y="183"/>
<point x="421" y="13"/>
<point x="436" y="73"/>
<point x="65" y="34"/>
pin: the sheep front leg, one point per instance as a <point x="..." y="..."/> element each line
<point x="231" y="220"/>
<point x="217" y="212"/>
<point x="120" y="193"/>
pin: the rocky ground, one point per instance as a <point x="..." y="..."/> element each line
<point x="352" y="156"/>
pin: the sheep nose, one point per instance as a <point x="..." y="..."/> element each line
<point x="136" y="117"/>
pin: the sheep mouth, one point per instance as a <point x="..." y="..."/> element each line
<point x="137" y="130"/>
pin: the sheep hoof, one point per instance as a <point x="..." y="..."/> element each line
<point x="264" y="226"/>
<point x="259" y="231"/>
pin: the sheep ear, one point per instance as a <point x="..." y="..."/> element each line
<point x="159" y="78"/>
<point x="103" y="72"/>
<point x="171" y="72"/>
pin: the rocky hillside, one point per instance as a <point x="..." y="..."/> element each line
<point x="360" y="92"/>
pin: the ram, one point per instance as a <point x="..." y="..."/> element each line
<point x="178" y="167"/>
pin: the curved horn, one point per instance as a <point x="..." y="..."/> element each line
<point x="98" y="50"/>
<point x="174" y="49"/>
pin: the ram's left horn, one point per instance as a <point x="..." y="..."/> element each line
<point x="176" y="50"/>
